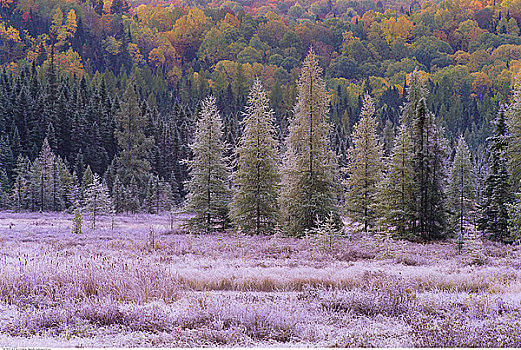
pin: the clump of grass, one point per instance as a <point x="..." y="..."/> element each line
<point x="457" y="329"/>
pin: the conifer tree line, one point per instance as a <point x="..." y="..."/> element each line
<point x="57" y="132"/>
<point x="68" y="143"/>
<point x="403" y="180"/>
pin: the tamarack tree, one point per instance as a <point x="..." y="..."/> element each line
<point x="97" y="200"/>
<point x="310" y="175"/>
<point x="208" y="192"/>
<point x="461" y="190"/>
<point x="255" y="209"/>
<point x="364" y="168"/>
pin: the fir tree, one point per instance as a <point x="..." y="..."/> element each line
<point x="364" y="168"/>
<point x="97" y="200"/>
<point x="254" y="208"/>
<point x="493" y="221"/>
<point x="208" y="192"/>
<point x="461" y="190"/>
<point x="310" y="176"/>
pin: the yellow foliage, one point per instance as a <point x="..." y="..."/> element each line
<point x="9" y="33"/>
<point x="394" y="29"/>
<point x="70" y="62"/>
<point x="112" y="45"/>
<point x="133" y="49"/>
<point x="232" y="20"/>
<point x="188" y="30"/>
<point x="423" y="76"/>
<point x="157" y="57"/>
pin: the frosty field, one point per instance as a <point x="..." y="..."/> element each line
<point x="142" y="284"/>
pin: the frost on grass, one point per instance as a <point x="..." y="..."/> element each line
<point x="111" y="287"/>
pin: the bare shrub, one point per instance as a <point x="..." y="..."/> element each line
<point x="393" y="299"/>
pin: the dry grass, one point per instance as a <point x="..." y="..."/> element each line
<point x="123" y="287"/>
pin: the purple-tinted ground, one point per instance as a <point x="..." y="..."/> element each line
<point x="143" y="284"/>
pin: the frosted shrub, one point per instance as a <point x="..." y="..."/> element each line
<point x="327" y="233"/>
<point x="393" y="299"/>
<point x="77" y="221"/>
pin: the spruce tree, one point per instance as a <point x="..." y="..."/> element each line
<point x="364" y="169"/>
<point x="310" y="176"/>
<point x="134" y="145"/>
<point x="461" y="190"/>
<point x="497" y="196"/>
<point x="132" y="200"/>
<point x="86" y="181"/>
<point x="158" y="196"/>
<point x="118" y="195"/>
<point x="97" y="200"/>
<point x="254" y="208"/>
<point x="429" y="162"/>
<point x="20" y="190"/>
<point x="208" y="192"/>
<point x="5" y="198"/>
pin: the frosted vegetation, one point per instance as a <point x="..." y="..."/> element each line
<point x="142" y="281"/>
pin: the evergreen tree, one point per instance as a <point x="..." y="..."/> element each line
<point x="132" y="201"/>
<point x="118" y="195"/>
<point x="429" y="162"/>
<point x="461" y="190"/>
<point x="208" y="192"/>
<point x="364" y="168"/>
<point x="6" y="156"/>
<point x="497" y="195"/>
<point x="254" y="208"/>
<point x="20" y="191"/>
<point x="45" y="181"/>
<point x="310" y="176"/>
<point x="388" y="138"/>
<point x="134" y="145"/>
<point x="97" y="200"/>
<point x="86" y="180"/>
<point x="5" y="199"/>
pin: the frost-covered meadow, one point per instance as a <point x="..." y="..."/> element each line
<point x="143" y="284"/>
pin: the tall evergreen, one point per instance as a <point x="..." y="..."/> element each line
<point x="497" y="195"/>
<point x="254" y="208"/>
<point x="118" y="195"/>
<point x="310" y="176"/>
<point x="133" y="144"/>
<point x="364" y="169"/>
<point x="461" y="190"/>
<point x="208" y="192"/>
<point x="429" y="162"/>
